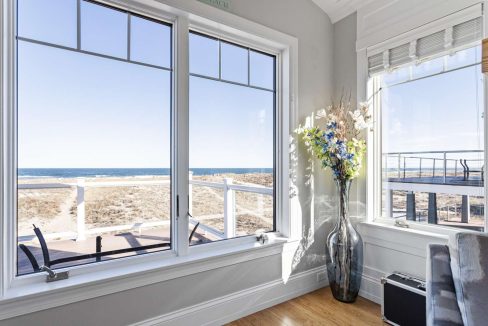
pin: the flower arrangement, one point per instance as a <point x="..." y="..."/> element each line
<point x="336" y="141"/>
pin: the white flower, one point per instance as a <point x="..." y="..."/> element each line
<point x="321" y="114"/>
<point x="355" y="115"/>
<point x="364" y="105"/>
<point x="360" y="123"/>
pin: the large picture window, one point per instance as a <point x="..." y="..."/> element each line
<point x="98" y="137"/>
<point x="94" y="134"/>
<point x="432" y="140"/>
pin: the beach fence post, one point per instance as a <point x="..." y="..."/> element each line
<point x="80" y="210"/>
<point x="399" y="165"/>
<point x="229" y="210"/>
<point x="190" y="191"/>
<point x="445" y="167"/>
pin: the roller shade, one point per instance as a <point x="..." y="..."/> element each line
<point x="437" y="43"/>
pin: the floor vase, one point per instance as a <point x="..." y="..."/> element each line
<point x="344" y="252"/>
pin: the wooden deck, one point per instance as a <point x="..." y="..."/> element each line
<point x="474" y="181"/>
<point x="67" y="248"/>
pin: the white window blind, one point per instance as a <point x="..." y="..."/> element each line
<point x="431" y="45"/>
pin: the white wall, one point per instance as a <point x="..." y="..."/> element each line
<point x="312" y="27"/>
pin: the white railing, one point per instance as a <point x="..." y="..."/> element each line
<point x="82" y="232"/>
<point x="229" y="189"/>
<point x="426" y="165"/>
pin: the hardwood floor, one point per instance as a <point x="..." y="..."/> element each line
<point x="316" y="308"/>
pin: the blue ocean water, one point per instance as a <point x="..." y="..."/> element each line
<point x="129" y="172"/>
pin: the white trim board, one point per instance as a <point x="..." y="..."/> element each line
<point x="371" y="284"/>
<point x="80" y="290"/>
<point x="237" y="305"/>
<point x="242" y="303"/>
<point x="381" y="20"/>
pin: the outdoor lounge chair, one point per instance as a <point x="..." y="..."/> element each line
<point x="97" y="255"/>
<point x="467" y="170"/>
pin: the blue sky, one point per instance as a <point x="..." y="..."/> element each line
<point x="442" y="112"/>
<point x="78" y="110"/>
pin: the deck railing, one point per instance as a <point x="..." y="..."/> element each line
<point x="403" y="162"/>
<point x="228" y="187"/>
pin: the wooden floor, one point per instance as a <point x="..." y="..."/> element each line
<point x="316" y="308"/>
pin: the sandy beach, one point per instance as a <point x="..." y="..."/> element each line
<point x="55" y="210"/>
<point x="449" y="206"/>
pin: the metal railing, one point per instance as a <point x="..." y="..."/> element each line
<point x="82" y="231"/>
<point x="403" y="162"/>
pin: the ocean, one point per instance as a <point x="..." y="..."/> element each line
<point x="129" y="172"/>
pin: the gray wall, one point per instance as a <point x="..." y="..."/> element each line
<point x="312" y="27"/>
<point x="345" y="84"/>
<point x="345" y="58"/>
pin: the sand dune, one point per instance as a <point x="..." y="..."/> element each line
<point x="55" y="210"/>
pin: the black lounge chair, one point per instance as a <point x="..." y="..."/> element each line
<point x="467" y="170"/>
<point x="97" y="255"/>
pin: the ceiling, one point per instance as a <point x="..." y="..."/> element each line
<point x="338" y="9"/>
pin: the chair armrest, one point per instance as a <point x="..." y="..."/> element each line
<point x="442" y="306"/>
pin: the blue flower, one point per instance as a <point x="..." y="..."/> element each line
<point x="325" y="148"/>
<point x="329" y="135"/>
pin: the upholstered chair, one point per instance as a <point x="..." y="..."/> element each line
<point x="457" y="281"/>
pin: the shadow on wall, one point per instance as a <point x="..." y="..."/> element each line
<point x="314" y="192"/>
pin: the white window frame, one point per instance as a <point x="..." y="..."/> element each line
<point x="29" y="293"/>
<point x="368" y="86"/>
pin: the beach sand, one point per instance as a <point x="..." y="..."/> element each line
<point x="55" y="210"/>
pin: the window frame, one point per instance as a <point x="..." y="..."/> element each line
<point x="196" y="30"/>
<point x="143" y="269"/>
<point x="79" y="49"/>
<point x="370" y="87"/>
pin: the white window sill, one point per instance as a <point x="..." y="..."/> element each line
<point x="412" y="241"/>
<point x="31" y="297"/>
<point x="431" y="231"/>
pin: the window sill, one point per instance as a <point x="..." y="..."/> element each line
<point x="429" y="231"/>
<point x="27" y="298"/>
<point x="412" y="241"/>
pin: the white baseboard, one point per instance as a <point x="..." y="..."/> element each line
<point x="370" y="289"/>
<point x="240" y="304"/>
<point x="371" y="284"/>
<point x="231" y="307"/>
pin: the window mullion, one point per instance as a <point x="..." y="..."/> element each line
<point x="8" y="154"/>
<point x="485" y="124"/>
<point x="129" y="17"/>
<point x="181" y="136"/>
<point x="78" y="24"/>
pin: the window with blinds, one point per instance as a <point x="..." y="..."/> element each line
<point x="436" y="44"/>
